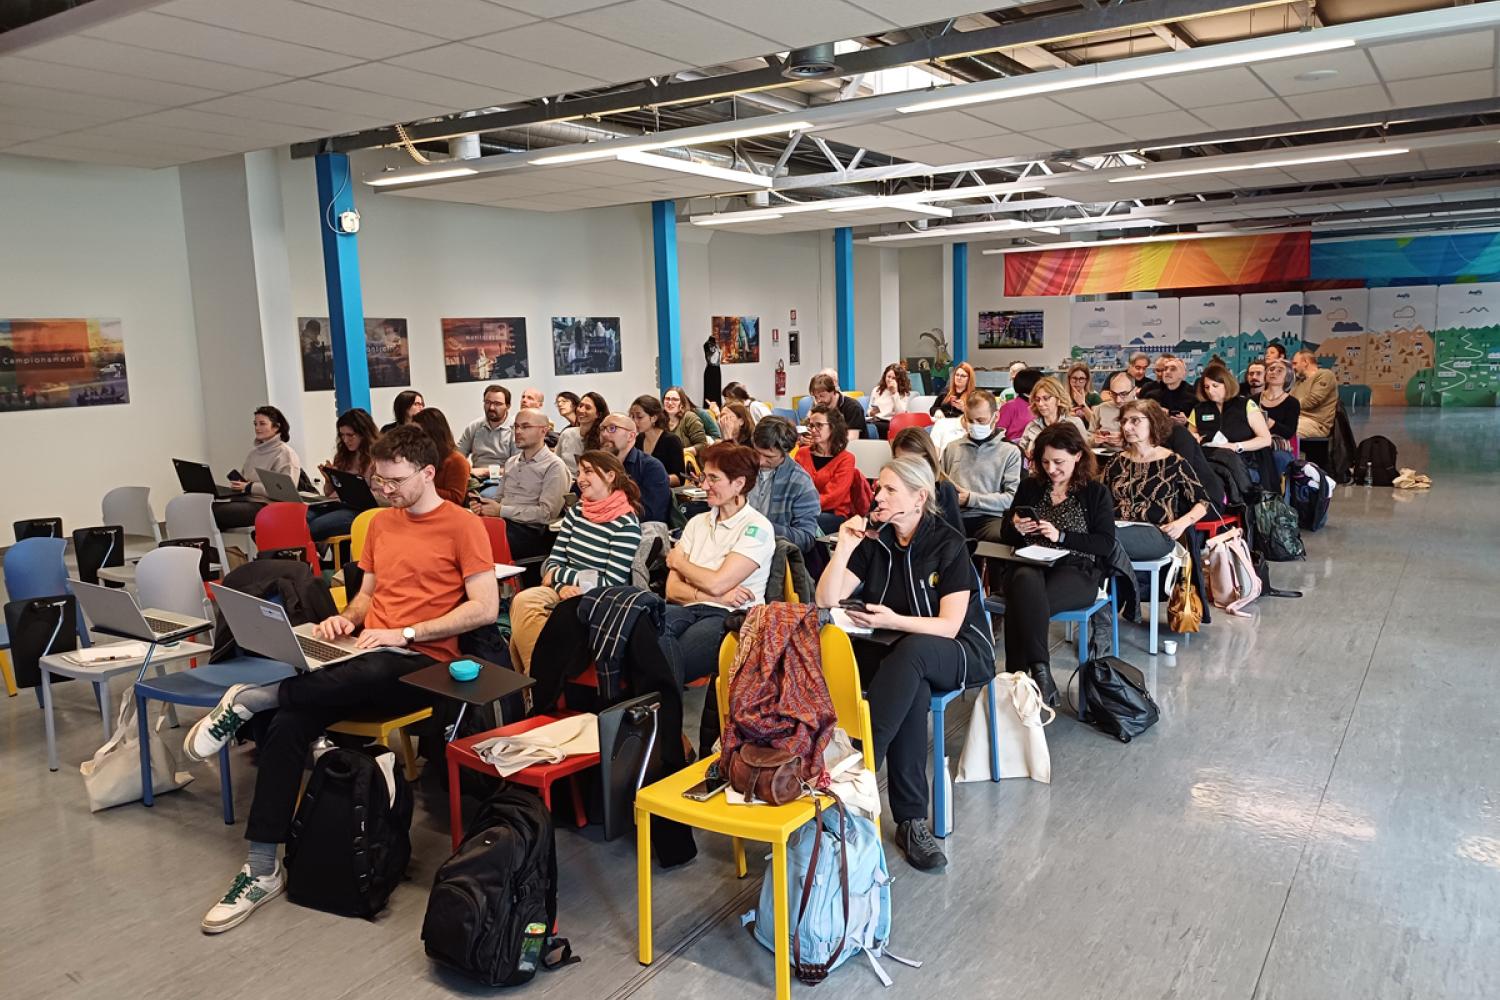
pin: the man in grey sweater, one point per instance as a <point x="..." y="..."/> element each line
<point x="984" y="467"/>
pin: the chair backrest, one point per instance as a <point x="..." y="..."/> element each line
<point x="202" y="546"/>
<point x="284" y="526"/>
<point x="804" y="407"/>
<point x="97" y="547"/>
<point x="130" y="508"/>
<point x="38" y="627"/>
<point x="921" y="404"/>
<point x="34" y="567"/>
<point x="359" y="531"/>
<point x="857" y="394"/>
<point x="901" y="421"/>
<point x="191" y="515"/>
<point x="840" y="671"/>
<point x="870" y="456"/>
<point x="788" y="591"/>
<point x="499" y="541"/>
<point x="171" y="578"/>
<point x="785" y="412"/>
<point x="38" y="527"/>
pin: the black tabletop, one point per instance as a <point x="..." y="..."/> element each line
<point x="493" y="683"/>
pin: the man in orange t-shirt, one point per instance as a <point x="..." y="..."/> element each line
<point x="429" y="577"/>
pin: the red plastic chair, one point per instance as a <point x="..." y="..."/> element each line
<point x="901" y="421"/>
<point x="284" y="526"/>
<point x="1212" y="528"/>
<point x="500" y="548"/>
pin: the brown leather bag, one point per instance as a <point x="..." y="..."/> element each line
<point x="765" y="774"/>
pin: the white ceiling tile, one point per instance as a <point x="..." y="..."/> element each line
<point x="1430" y="56"/>
<point x="1334" y="103"/>
<point x="568" y="48"/>
<point x="261" y="109"/>
<point x="1115" y="101"/>
<point x="1352" y="66"/>
<point x="317" y="94"/>
<point x="290" y="21"/>
<point x="139" y="128"/>
<point x="131" y="60"/>
<point x="909" y="12"/>
<point x="946" y="126"/>
<point x="27" y="112"/>
<point x="253" y="133"/>
<point x="99" y="109"/>
<point x="450" y="19"/>
<point x="151" y="30"/>
<point x="1234" y="85"/>
<point x="1076" y="136"/>
<point x="15" y="69"/>
<point x="52" y="151"/>
<point x="1026" y="113"/>
<point x="877" y="137"/>
<point x="1476" y="85"/>
<point x="398" y="81"/>
<point x="1250" y="114"/>
<point x="1383" y="166"/>
<point x="465" y="62"/>
<point x="1459" y="156"/>
<point x="135" y="146"/>
<point x="10" y="133"/>
<point x="1313" y="173"/>
<point x="796" y="22"/>
<point x="938" y="154"/>
<point x="1006" y="145"/>
<point x="1159" y="126"/>
<point x="658" y="26"/>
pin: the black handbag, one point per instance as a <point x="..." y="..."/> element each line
<point x="1112" y="697"/>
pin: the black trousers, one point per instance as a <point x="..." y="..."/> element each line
<point x="899" y="690"/>
<point x="1033" y="594"/>
<point x="232" y="514"/>
<point x="527" y="540"/>
<point x="983" y="527"/>
<point x="310" y="703"/>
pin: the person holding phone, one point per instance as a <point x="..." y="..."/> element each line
<point x="271" y="451"/>
<point x="911" y="572"/>
<point x="1058" y="505"/>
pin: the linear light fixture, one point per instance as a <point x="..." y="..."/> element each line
<point x="609" y="149"/>
<point x="741" y="178"/>
<point x="1290" y="161"/>
<point x="1162" y="238"/>
<point x="977" y="191"/>
<point x="733" y="218"/>
<point x="387" y="180"/>
<point x="1004" y="225"/>
<point x="903" y="203"/>
<point x="1121" y="75"/>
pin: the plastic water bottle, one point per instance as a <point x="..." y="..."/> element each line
<point x="1369" y="473"/>
<point x="320" y="746"/>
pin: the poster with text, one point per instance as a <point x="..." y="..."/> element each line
<point x="585" y="345"/>
<point x="1467" y="348"/>
<point x="1208" y="325"/>
<point x="738" y="337"/>
<point x="387" y="352"/>
<point x="1335" y="321"/>
<point x="1098" y="333"/>
<point x="1001" y="330"/>
<point x="1152" y="321"/>
<point x="1400" y="356"/>
<point x="485" y="350"/>
<point x="47" y="363"/>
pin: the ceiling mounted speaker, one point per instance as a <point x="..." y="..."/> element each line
<point x="810" y="63"/>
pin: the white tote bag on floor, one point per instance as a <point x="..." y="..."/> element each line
<point x="113" y="776"/>
<point x="1023" y="740"/>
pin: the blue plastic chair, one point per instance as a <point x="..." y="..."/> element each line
<point x="1080" y="617"/>
<point x="804" y="407"/>
<point x="785" y="412"/>
<point x="201" y="688"/>
<point x="938" y="707"/>
<point x="34" y="567"/>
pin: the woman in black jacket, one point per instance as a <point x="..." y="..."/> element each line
<point x="1059" y="506"/>
<point x="913" y="576"/>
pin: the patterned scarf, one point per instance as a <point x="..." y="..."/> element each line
<point x="616" y="505"/>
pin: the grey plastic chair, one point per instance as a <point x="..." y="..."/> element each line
<point x="191" y="515"/>
<point x="130" y="507"/>
<point x="169" y="579"/>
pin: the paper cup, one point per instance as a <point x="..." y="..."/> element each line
<point x="1169" y="646"/>
<point x="494" y="472"/>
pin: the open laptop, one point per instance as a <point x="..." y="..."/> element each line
<point x="114" y="611"/>
<point x="261" y="627"/>
<point x="280" y="486"/>
<point x="195" y="477"/>
<point x="354" y="491"/>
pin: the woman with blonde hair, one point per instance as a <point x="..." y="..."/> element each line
<point x="1048" y="401"/>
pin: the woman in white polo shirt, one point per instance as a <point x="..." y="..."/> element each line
<point x="721" y="564"/>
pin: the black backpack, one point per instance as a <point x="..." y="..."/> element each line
<point x="1112" y="696"/>
<point x="1375" y="458"/>
<point x="493" y="905"/>
<point x="1312" y="494"/>
<point x="1276" y="534"/>
<point x="350" y="842"/>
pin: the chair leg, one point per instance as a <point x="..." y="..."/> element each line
<point x="101" y="695"/>
<point x="226" y="787"/>
<point x="994" y="703"/>
<point x="1083" y="641"/>
<point x="1114" y="622"/>
<point x="408" y="755"/>
<point x="782" y="922"/>
<point x="546" y="790"/>
<point x="741" y="868"/>
<point x="48" y="721"/>
<point x="455" y="804"/>
<point x="1155" y="605"/>
<point x="161" y="671"/>
<point x="643" y="886"/>
<point x="143" y="730"/>
<point x="10" y="677"/>
<point x="580" y="811"/>
<point x="939" y="775"/>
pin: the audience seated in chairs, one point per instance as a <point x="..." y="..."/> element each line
<point x="270" y="452"/>
<point x="1104" y="421"/>
<point x="567" y="408"/>
<point x="1015" y="415"/>
<point x="654" y="437"/>
<point x="1081" y="395"/>
<point x="736" y="423"/>
<point x="1227" y="420"/>
<point x="1283" y="411"/>
<point x="917" y="443"/>
<point x="1317" y="393"/>
<point x="351" y="454"/>
<point x="913" y="575"/>
<point x="1152" y="485"/>
<point x="1048" y="404"/>
<point x="584" y="435"/>
<point x="783" y="490"/>
<point x="842" y="490"/>
<point x="1171" y="391"/>
<point x="891" y="396"/>
<point x="1255" y="378"/>
<point x="682" y="418"/>
<point x="428" y="578"/>
<point x="452" y="480"/>
<point x="619" y="435"/>
<point x="956" y="397"/>
<point x="983" y="467"/>
<point x="489" y="441"/>
<point x="1058" y="505"/>
<point x="824" y="389"/>
<point x="532" y="492"/>
<point x="735" y="392"/>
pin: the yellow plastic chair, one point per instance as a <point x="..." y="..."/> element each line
<point x="855" y="395"/>
<point x="788" y="592"/>
<point x="764" y="823"/>
<point x="10" y="676"/>
<point x="360" y="530"/>
<point x="379" y="729"/>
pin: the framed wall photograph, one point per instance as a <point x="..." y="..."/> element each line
<point x="484" y="349"/>
<point x="739" y="338"/>
<point x="51" y="363"/>
<point x="387" y="352"/>
<point x="585" y="345"/>
<point x="1010" y="329"/>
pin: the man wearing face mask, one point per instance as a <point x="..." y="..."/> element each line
<point x="984" y="467"/>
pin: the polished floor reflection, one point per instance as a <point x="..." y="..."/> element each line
<point x="1315" y="817"/>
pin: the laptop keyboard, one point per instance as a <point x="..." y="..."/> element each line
<point x="322" y="652"/>
<point x="161" y="626"/>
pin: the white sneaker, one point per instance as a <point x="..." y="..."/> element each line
<point x="210" y="733"/>
<point x="245" y="893"/>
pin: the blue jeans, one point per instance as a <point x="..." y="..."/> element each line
<point x="691" y="638"/>
<point x="330" y="522"/>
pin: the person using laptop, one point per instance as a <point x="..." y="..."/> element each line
<point x="428" y="578"/>
<point x="351" y="454"/>
<point x="532" y="490"/>
<point x="270" y="451"/>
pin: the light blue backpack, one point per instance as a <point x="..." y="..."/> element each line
<point x="839" y="893"/>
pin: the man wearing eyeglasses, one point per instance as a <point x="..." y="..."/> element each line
<point x="1104" y="421"/>
<point x="618" y="434"/>
<point x="429" y="577"/>
<point x="532" y="491"/>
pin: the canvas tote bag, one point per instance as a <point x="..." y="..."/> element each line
<point x="113" y="776"/>
<point x="1023" y="741"/>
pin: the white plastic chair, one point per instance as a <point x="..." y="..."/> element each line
<point x="169" y="579"/>
<point x="921" y="404"/>
<point x="192" y="516"/>
<point x="130" y="507"/>
<point x="870" y="456"/>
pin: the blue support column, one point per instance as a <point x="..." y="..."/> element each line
<point x="843" y="303"/>
<point x="960" y="336"/>
<point x="346" y="309"/>
<point x="668" y="304"/>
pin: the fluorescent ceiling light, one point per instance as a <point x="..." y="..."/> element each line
<point x="1166" y="68"/>
<point x="733" y="218"/>
<point x="1005" y="225"/>
<point x="610" y="148"/>
<point x="742" y="178"/>
<point x="976" y="191"/>
<point x="899" y="203"/>
<point x="1290" y="161"/>
<point x="386" y="180"/>
<point x="1163" y="238"/>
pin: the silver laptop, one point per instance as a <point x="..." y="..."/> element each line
<point x="261" y="627"/>
<point x="280" y="486"/>
<point x="112" y="610"/>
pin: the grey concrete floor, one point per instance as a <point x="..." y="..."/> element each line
<point x="1315" y="817"/>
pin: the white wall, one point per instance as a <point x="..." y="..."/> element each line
<point x="921" y="271"/>
<point x="99" y="242"/>
<point x="987" y="294"/>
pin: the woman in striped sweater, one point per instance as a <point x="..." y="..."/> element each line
<point x="596" y="548"/>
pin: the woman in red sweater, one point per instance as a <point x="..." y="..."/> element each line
<point x="452" y="474"/>
<point x="842" y="490"/>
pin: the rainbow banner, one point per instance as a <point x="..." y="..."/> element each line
<point x="1139" y="267"/>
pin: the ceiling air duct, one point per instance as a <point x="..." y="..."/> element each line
<point x="810" y="63"/>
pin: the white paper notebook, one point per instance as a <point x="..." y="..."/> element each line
<point x="1040" y="553"/>
<point x="842" y="620"/>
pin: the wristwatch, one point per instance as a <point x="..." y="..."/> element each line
<point x="409" y="634"/>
